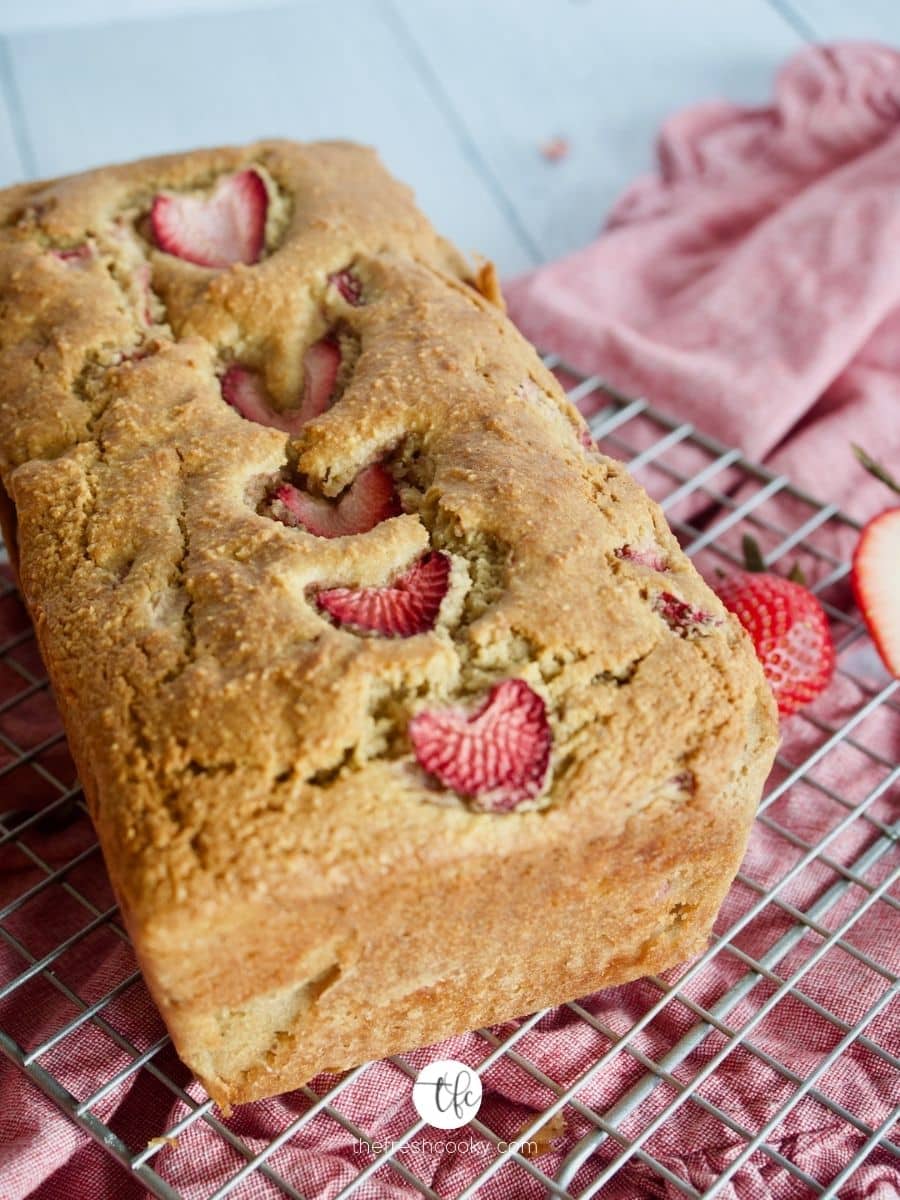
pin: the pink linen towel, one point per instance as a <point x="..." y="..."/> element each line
<point x="752" y="285"/>
<point x="752" y="288"/>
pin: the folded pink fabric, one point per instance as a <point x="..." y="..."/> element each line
<point x="752" y="285"/>
<point x="751" y="288"/>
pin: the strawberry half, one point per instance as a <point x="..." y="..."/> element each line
<point x="789" y="631"/>
<point x="497" y="756"/>
<point x="245" y="391"/>
<point x="227" y="227"/>
<point x="369" y="500"/>
<point x="408" y="606"/>
<point x="876" y="584"/>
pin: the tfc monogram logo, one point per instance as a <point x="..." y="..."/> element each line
<point x="447" y="1094"/>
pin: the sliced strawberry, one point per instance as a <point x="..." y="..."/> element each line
<point x="676" y="787"/>
<point x="496" y="756"/>
<point x="321" y="365"/>
<point x="684" y="781"/>
<point x="74" y="254"/>
<point x="876" y="584"/>
<point x="245" y="390"/>
<point x="348" y="285"/>
<point x="144" y="278"/>
<point x="226" y="227"/>
<point x="408" y="606"/>
<point x="369" y="500"/>
<point x="684" y="619"/>
<point x="789" y="631"/>
<point x="587" y="440"/>
<point x="648" y="555"/>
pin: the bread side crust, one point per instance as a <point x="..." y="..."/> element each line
<point x="440" y="951"/>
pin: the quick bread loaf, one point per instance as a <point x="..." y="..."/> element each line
<point x="397" y="706"/>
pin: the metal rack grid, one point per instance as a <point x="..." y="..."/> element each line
<point x="711" y="495"/>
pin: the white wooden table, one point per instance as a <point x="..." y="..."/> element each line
<point x="456" y="94"/>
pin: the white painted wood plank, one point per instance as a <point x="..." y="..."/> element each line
<point x="878" y="20"/>
<point x="12" y="168"/>
<point x="47" y="14"/>
<point x="604" y="75"/>
<point x="127" y="90"/>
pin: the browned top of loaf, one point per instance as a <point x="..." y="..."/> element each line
<point x="227" y="734"/>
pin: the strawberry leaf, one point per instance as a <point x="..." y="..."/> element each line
<point x="875" y="468"/>
<point x="753" y="559"/>
<point x="797" y="575"/>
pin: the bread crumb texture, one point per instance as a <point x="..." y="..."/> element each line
<point x="182" y="444"/>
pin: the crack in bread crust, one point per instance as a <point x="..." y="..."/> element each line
<point x="235" y="744"/>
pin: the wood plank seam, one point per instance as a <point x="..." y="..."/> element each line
<point x="406" y="40"/>
<point x="796" y="20"/>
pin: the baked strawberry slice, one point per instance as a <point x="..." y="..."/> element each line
<point x="646" y="555"/>
<point x="348" y="285"/>
<point x="497" y="757"/>
<point x="587" y="440"/>
<point x="683" y="618"/>
<point x="369" y="500"/>
<point x="407" y="606"/>
<point x="321" y="365"/>
<point x="143" y="278"/>
<point x="246" y="392"/>
<point x="876" y="584"/>
<point x="226" y="227"/>
<point x="789" y="631"/>
<point x="74" y="254"/>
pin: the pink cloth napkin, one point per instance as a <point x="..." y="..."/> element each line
<point x="751" y="287"/>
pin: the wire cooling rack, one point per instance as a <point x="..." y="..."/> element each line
<point x="690" y="1028"/>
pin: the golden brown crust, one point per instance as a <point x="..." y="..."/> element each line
<point x="281" y="863"/>
<point x="487" y="282"/>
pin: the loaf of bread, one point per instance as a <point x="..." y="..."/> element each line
<point x="397" y="706"/>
